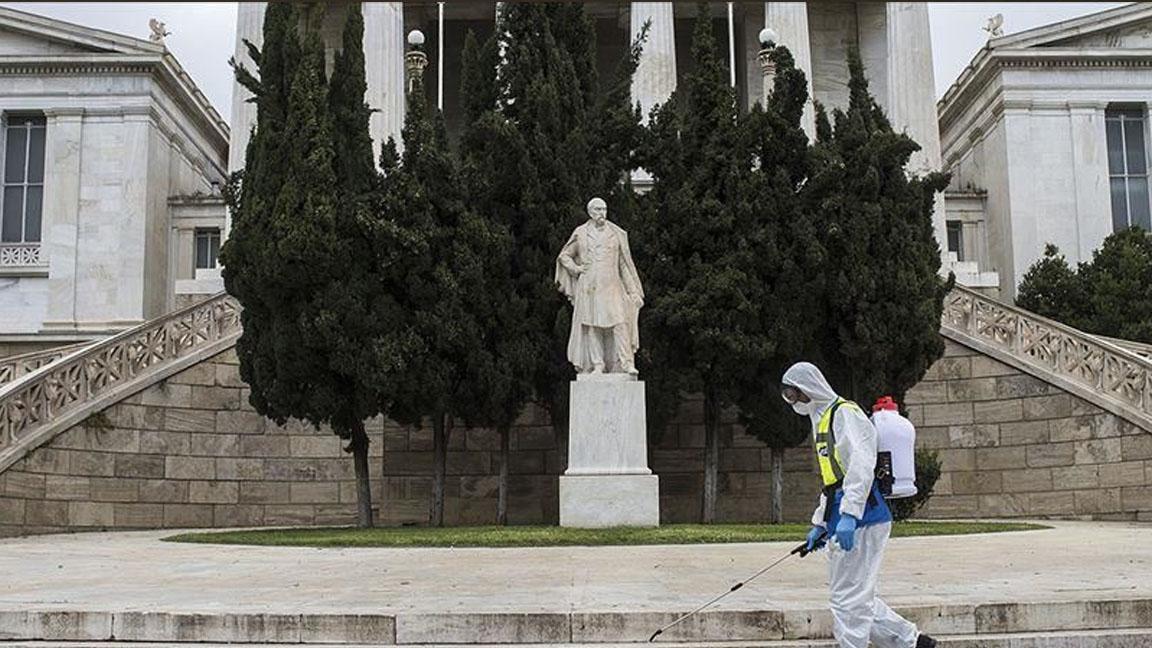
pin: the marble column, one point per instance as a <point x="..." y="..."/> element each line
<point x="655" y="77"/>
<point x="790" y="22"/>
<point x="249" y="27"/>
<point x="61" y="213"/>
<point x="911" y="91"/>
<point x="384" y="69"/>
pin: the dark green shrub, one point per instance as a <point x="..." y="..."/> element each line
<point x="927" y="472"/>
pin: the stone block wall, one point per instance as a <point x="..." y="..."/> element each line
<point x="190" y="452"/>
<point x="1015" y="446"/>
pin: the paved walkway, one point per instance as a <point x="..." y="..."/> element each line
<point x="136" y="572"/>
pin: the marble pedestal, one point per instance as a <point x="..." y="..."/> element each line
<point x="608" y="482"/>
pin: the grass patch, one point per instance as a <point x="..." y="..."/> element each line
<point x="549" y="536"/>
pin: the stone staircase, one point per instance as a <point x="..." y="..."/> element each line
<point x="48" y="392"/>
<point x="127" y="377"/>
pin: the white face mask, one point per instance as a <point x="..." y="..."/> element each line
<point x="803" y="409"/>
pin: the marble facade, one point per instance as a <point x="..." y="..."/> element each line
<point x="1024" y="135"/>
<point x="126" y="131"/>
<point x="893" y="36"/>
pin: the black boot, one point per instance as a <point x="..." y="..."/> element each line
<point x="924" y="641"/>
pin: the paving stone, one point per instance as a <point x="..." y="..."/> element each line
<point x="249" y="628"/>
<point x="348" y="628"/>
<point x="482" y="628"/>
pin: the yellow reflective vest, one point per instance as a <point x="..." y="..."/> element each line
<point x="831" y="468"/>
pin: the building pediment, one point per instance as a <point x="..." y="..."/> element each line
<point x="28" y="35"/>
<point x="1127" y="27"/>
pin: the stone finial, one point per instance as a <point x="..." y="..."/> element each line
<point x="415" y="60"/>
<point x="158" y="31"/>
<point x="995" y="26"/>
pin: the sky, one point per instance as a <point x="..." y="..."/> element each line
<point x="203" y="33"/>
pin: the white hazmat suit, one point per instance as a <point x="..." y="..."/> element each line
<point x="858" y="614"/>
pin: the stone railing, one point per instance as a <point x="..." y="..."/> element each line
<point x="1139" y="348"/>
<point x="1113" y="377"/>
<point x="20" y="255"/>
<point x="15" y="366"/>
<point x="61" y="394"/>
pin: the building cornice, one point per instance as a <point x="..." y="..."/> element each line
<point x="988" y="63"/>
<point x="162" y="66"/>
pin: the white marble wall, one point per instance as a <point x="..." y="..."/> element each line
<point x="117" y="147"/>
<point x="1034" y="139"/>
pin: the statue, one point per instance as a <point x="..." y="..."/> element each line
<point x="995" y="26"/>
<point x="158" y="31"/>
<point x="595" y="271"/>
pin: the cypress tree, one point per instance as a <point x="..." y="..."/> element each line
<point x="489" y="142"/>
<point x="540" y="139"/>
<point x="787" y="263"/>
<point x="447" y="289"/>
<point x="286" y="259"/>
<point x="884" y="295"/>
<point x="701" y="324"/>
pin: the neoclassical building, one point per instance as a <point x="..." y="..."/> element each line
<point x="893" y="38"/>
<point x="1046" y="135"/>
<point x="112" y="161"/>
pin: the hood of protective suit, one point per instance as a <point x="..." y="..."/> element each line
<point x="808" y="379"/>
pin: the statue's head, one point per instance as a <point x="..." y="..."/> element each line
<point x="598" y="210"/>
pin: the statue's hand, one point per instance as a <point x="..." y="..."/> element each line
<point x="637" y="300"/>
<point x="578" y="270"/>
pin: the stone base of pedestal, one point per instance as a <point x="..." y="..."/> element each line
<point x="597" y="501"/>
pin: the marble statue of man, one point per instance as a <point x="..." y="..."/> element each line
<point x="595" y="271"/>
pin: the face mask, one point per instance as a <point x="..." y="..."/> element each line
<point x="803" y="409"/>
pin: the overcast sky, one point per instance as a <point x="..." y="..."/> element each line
<point x="203" y="32"/>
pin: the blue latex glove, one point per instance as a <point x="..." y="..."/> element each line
<point x="816" y="538"/>
<point x="846" y="532"/>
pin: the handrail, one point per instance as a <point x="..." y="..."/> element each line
<point x="1139" y="348"/>
<point x="1107" y="374"/>
<point x="15" y="366"/>
<point x="62" y="393"/>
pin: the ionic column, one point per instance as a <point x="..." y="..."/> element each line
<point x="655" y="77"/>
<point x="790" y="22"/>
<point x="911" y="91"/>
<point x="384" y="70"/>
<point x="250" y="27"/>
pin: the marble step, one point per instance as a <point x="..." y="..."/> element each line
<point x="1127" y="638"/>
<point x="761" y="627"/>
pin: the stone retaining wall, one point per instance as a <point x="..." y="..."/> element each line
<point x="1015" y="446"/>
<point x="190" y="452"/>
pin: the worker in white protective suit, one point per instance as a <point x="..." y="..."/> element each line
<point x="852" y="514"/>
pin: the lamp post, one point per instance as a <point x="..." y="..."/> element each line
<point x="415" y="60"/>
<point x="768" y="40"/>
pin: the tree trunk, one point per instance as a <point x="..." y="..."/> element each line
<point x="502" y="501"/>
<point x="777" y="514"/>
<point x="440" y="430"/>
<point x="711" y="457"/>
<point x="359" y="446"/>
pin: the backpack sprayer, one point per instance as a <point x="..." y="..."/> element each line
<point x="802" y="550"/>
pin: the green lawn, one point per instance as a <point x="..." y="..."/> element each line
<point x="548" y="536"/>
